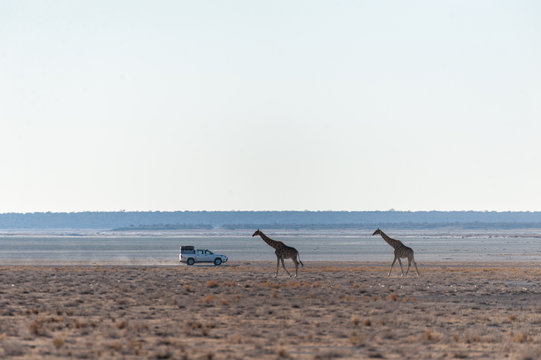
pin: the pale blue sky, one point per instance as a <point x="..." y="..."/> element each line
<point x="270" y="105"/>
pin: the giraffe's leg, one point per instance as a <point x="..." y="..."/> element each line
<point x="277" y="265"/>
<point x="401" y="268"/>
<point x="284" y="266"/>
<point x="389" y="274"/>
<point x="409" y="264"/>
<point x="414" y="263"/>
<point x="296" y="266"/>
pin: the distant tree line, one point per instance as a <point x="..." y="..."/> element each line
<point x="132" y="220"/>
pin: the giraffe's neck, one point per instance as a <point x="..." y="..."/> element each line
<point x="273" y="243"/>
<point x="394" y="243"/>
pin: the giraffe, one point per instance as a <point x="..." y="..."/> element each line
<point x="282" y="252"/>
<point x="400" y="251"/>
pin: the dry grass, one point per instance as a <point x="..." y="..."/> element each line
<point x="447" y="312"/>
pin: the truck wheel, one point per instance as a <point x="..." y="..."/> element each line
<point x="190" y="261"/>
<point x="217" y="261"/>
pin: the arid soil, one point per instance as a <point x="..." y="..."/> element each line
<point x="239" y="311"/>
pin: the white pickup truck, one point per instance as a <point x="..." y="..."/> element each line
<point x="190" y="255"/>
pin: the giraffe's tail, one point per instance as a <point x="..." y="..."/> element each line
<point x="299" y="257"/>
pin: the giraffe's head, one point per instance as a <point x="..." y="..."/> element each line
<point x="378" y="231"/>
<point x="257" y="232"/>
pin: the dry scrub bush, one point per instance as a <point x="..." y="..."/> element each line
<point x="393" y="297"/>
<point x="520" y="338"/>
<point x="472" y="338"/>
<point x="121" y="324"/>
<point x="355" y="320"/>
<point x="163" y="353"/>
<point x="187" y="287"/>
<point x="37" y="328"/>
<point x="283" y="353"/>
<point x="212" y="284"/>
<point x="58" y="342"/>
<point x="237" y="339"/>
<point x="270" y="284"/>
<point x="224" y="300"/>
<point x="356" y="339"/>
<point x="428" y="335"/>
<point x="209" y="299"/>
<point x="367" y="322"/>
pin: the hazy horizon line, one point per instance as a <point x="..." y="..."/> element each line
<point x="268" y="210"/>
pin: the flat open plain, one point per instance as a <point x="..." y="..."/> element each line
<point x="239" y="311"/>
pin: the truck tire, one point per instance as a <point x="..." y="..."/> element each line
<point x="190" y="261"/>
<point x="217" y="261"/>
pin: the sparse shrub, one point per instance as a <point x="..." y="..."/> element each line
<point x="212" y="284"/>
<point x="355" y="320"/>
<point x="238" y="339"/>
<point x="163" y="353"/>
<point x="37" y="328"/>
<point x="356" y="339"/>
<point x="58" y="342"/>
<point x="283" y="353"/>
<point x="367" y="322"/>
<point x="121" y="324"/>
<point x="428" y="335"/>
<point x="393" y="297"/>
<point x="187" y="287"/>
<point x="472" y="338"/>
<point x="82" y="324"/>
<point x="512" y="318"/>
<point x="117" y="346"/>
<point x="520" y="338"/>
<point x="209" y="299"/>
<point x="204" y="331"/>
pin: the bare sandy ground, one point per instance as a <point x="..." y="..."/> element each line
<point x="239" y="311"/>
